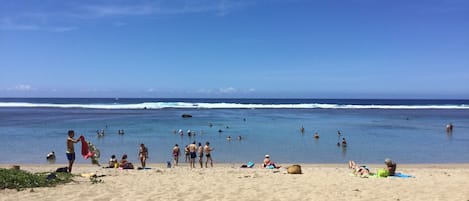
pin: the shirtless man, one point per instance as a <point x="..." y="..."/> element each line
<point x="200" y="151"/>
<point x="193" y="154"/>
<point x="208" y="150"/>
<point x="71" y="149"/>
<point x="143" y="155"/>
<point x="176" y="153"/>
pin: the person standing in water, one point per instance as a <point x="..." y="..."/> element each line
<point x="71" y="149"/>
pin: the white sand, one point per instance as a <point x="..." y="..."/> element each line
<point x="229" y="182"/>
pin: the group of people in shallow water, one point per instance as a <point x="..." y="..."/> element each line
<point x="339" y="134"/>
<point x="191" y="152"/>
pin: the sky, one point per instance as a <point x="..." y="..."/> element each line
<point x="235" y="48"/>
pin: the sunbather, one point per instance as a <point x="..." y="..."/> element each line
<point x="358" y="170"/>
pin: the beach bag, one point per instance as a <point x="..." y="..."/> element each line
<point x="382" y="173"/>
<point x="294" y="169"/>
<point x="250" y="164"/>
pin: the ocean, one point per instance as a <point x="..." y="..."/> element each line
<point x="407" y="131"/>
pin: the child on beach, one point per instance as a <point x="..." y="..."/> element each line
<point x="113" y="162"/>
<point x="176" y="153"/>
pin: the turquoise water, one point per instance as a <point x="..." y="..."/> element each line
<point x="405" y="135"/>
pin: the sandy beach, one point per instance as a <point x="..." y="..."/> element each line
<point x="229" y="182"/>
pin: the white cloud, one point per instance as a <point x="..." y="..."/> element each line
<point x="22" y="87"/>
<point x="63" y="29"/>
<point x="251" y="90"/>
<point x="151" y="90"/>
<point x="227" y="90"/>
<point x="70" y="15"/>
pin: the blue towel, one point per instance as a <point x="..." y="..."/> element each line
<point x="400" y="175"/>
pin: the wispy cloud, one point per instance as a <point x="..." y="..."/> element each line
<point x="65" y="16"/>
<point x="227" y="90"/>
<point x="7" y="24"/>
<point x="21" y="87"/>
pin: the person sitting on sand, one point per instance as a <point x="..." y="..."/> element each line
<point x="176" y="153"/>
<point x="390" y="166"/>
<point x="113" y="162"/>
<point x="268" y="163"/>
<point x="125" y="164"/>
<point x="358" y="170"/>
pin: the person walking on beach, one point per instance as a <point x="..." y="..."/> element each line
<point x="208" y="150"/>
<point x="200" y="152"/>
<point x="193" y="154"/>
<point x="176" y="153"/>
<point x="71" y="149"/>
<point x="143" y="155"/>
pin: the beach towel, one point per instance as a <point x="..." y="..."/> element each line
<point x="400" y="175"/>
<point x="85" y="149"/>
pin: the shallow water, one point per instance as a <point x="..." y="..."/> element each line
<point x="405" y="135"/>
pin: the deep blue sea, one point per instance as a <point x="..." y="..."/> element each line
<point x="408" y="131"/>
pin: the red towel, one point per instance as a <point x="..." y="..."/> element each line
<point x="85" y="150"/>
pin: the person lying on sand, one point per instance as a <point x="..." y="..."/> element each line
<point x="358" y="170"/>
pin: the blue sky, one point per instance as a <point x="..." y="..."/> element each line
<point x="235" y="49"/>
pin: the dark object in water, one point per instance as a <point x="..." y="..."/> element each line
<point x="186" y="115"/>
